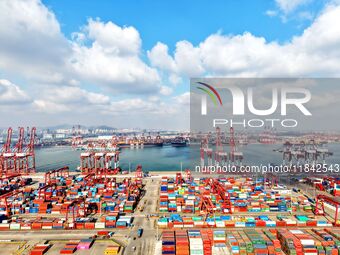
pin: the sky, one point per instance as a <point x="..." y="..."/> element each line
<point x="128" y="64"/>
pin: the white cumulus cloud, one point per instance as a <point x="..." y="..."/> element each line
<point x="113" y="59"/>
<point x="288" y="6"/>
<point x="12" y="94"/>
<point x="314" y="53"/>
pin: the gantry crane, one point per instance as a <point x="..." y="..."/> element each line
<point x="218" y="188"/>
<point x="206" y="205"/>
<point x="50" y="176"/>
<point x="102" y="163"/>
<point x="7" y="199"/>
<point x="139" y="172"/>
<point x="42" y="190"/>
<point x="7" y="157"/>
<point x="320" y="207"/>
<point x="19" y="154"/>
<point x="221" y="157"/>
<point x="179" y="179"/>
<point x="75" y="207"/>
<point x="29" y="154"/>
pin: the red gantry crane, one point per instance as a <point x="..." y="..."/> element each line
<point x="6" y="199"/>
<point x="320" y="207"/>
<point x="221" y="157"/>
<point x="77" y="208"/>
<point x="102" y="163"/>
<point x="218" y="188"/>
<point x="28" y="154"/>
<point x="206" y="205"/>
<point x="19" y="155"/>
<point x="7" y="157"/>
<point x="51" y="176"/>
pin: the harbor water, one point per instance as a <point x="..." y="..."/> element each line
<point x="166" y="158"/>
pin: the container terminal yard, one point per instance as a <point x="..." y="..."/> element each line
<point x="104" y="210"/>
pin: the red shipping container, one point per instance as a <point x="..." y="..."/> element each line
<point x="89" y="225"/>
<point x="281" y="223"/>
<point x="168" y="248"/>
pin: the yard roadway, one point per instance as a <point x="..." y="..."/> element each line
<point x="147" y="205"/>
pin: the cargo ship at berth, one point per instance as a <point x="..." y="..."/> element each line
<point x="179" y="141"/>
<point x="141" y="142"/>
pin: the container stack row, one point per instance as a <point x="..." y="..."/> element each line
<point x="252" y="242"/>
<point x="16" y="223"/>
<point x="104" y="196"/>
<point x="311" y="242"/>
<point x="233" y="221"/>
<point x="245" y="195"/>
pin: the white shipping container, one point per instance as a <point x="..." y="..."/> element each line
<point x="188" y="226"/>
<point x="195" y="241"/>
<point x="196" y="252"/>
<point x="270" y="223"/>
<point x="296" y="232"/>
<point x="14" y="226"/>
<point x="220" y="251"/>
<point x="196" y="246"/>
<point x="220" y="224"/>
<point x="198" y="223"/>
<point x="99" y="225"/>
<point x="307" y="242"/>
<point x="219" y="238"/>
<point x="240" y="224"/>
<point x="189" y="202"/>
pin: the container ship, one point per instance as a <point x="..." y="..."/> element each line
<point x="141" y="142"/>
<point x="179" y="141"/>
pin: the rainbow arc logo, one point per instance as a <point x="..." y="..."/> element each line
<point x="211" y="92"/>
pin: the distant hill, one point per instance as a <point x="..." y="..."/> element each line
<point x="103" y="127"/>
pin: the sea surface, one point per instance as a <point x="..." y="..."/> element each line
<point x="166" y="158"/>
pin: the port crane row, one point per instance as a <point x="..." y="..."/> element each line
<point x="20" y="158"/>
<point x="304" y="152"/>
<point x="293" y="153"/>
<point x="99" y="162"/>
<point x="219" y="157"/>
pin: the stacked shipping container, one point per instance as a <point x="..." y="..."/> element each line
<point x="252" y="242"/>
<point x="246" y="195"/>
